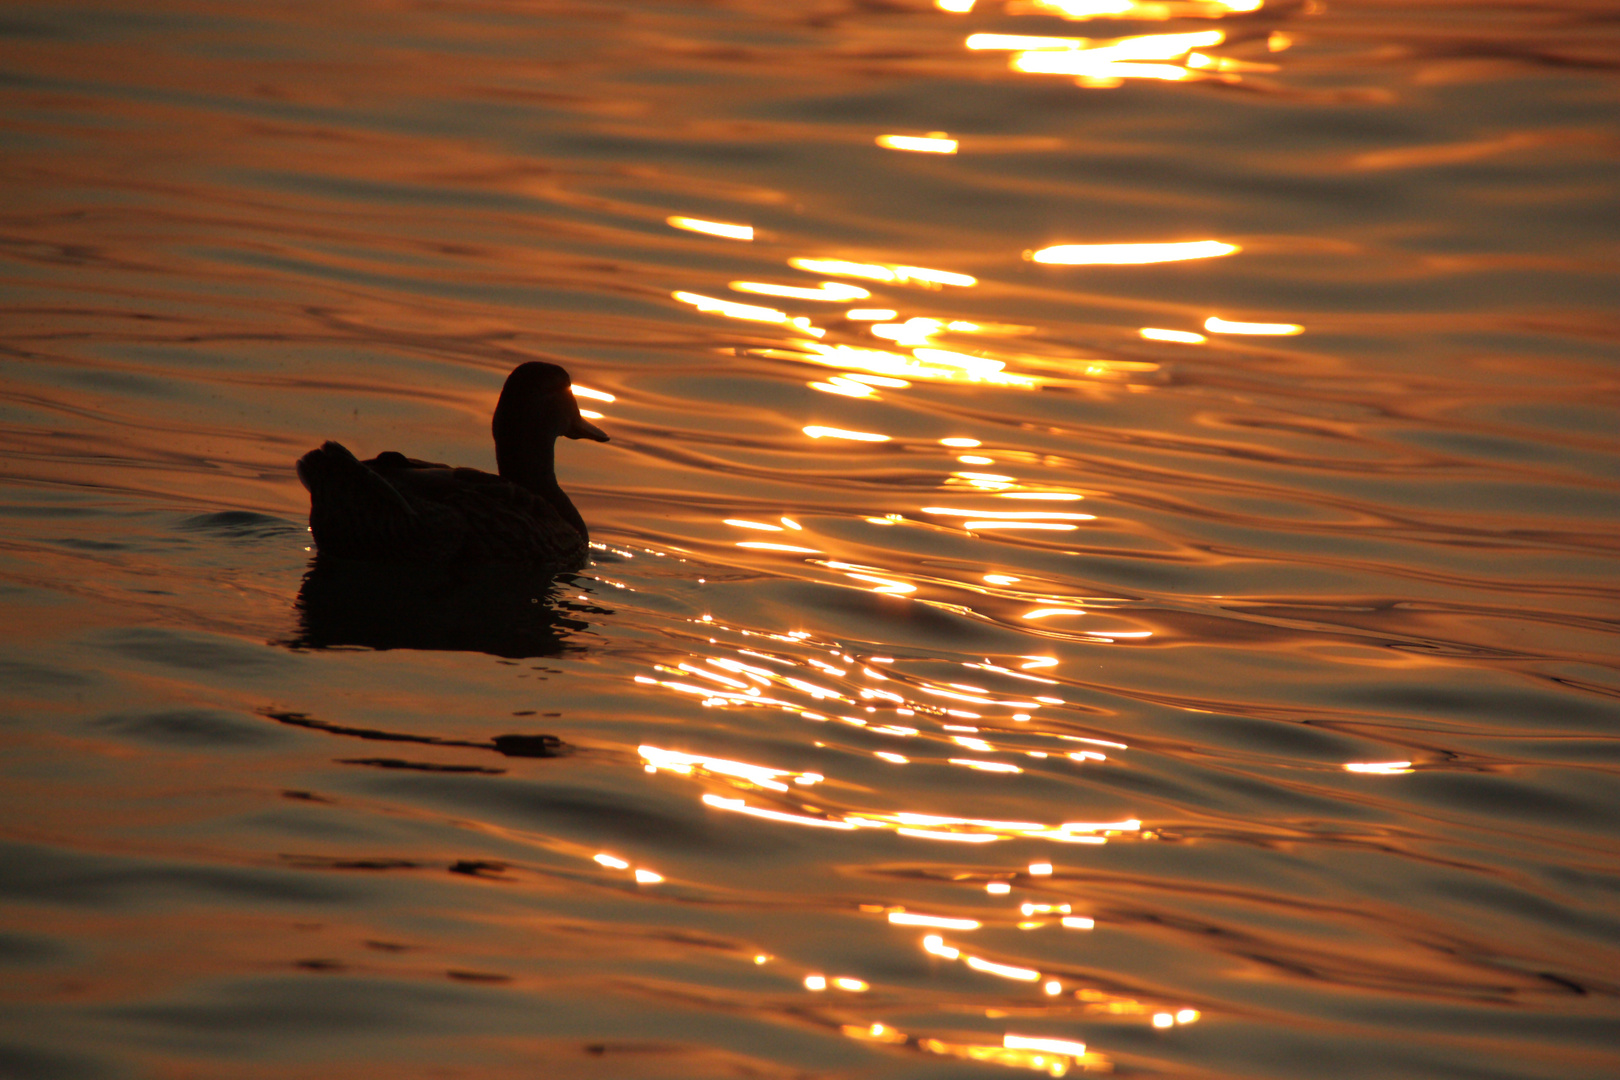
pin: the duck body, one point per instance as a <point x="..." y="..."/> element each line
<point x="395" y="508"/>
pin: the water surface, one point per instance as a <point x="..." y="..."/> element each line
<point x="1124" y="555"/>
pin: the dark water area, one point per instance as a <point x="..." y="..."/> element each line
<point x="1107" y="559"/>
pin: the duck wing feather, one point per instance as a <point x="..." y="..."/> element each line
<point x="503" y="522"/>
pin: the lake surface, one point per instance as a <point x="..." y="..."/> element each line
<point x="1107" y="558"/>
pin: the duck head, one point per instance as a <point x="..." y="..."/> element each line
<point x="537" y="406"/>
<point x="538" y="400"/>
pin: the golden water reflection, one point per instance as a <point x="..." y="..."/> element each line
<point x="833" y="291"/>
<point x="1131" y="254"/>
<point x="886" y="348"/>
<point x="1216" y="325"/>
<point x="731" y="309"/>
<point x="872" y="707"/>
<point x="924" y="364"/>
<point x="725" y="229"/>
<point x="885" y="272"/>
<point x="1379" y="768"/>
<point x="1055" y="1057"/>
<point x="1144" y="10"/>
<point x="744" y="679"/>
<point x="1186" y="337"/>
<point x="918" y="390"/>
<point x="1103" y="63"/>
<point x="945" y="721"/>
<point x="936" y="142"/>
<point x="1106" y="63"/>
<point x="816" y="431"/>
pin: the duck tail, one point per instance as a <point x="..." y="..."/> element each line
<point x="333" y="468"/>
<point x="352" y="509"/>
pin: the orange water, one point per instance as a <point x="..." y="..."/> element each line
<point x="1301" y="679"/>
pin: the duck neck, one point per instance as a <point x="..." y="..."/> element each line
<point x="533" y="465"/>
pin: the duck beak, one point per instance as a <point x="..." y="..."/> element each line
<point x="582" y="428"/>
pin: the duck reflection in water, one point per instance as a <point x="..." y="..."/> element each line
<point x="417" y="554"/>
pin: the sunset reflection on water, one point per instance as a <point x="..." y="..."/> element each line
<point x="1104" y="559"/>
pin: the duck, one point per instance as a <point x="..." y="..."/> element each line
<point x="399" y="509"/>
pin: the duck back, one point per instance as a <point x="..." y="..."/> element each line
<point x="399" y="509"/>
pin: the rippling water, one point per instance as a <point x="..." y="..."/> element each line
<point x="1109" y="538"/>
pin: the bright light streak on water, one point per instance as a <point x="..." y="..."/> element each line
<point x="937" y="143"/>
<point x="713" y="228"/>
<point x="1132" y="254"/>
<point x="731" y="309"/>
<point x="1217" y="325"/>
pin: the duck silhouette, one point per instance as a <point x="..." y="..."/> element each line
<point x="396" y="509"/>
